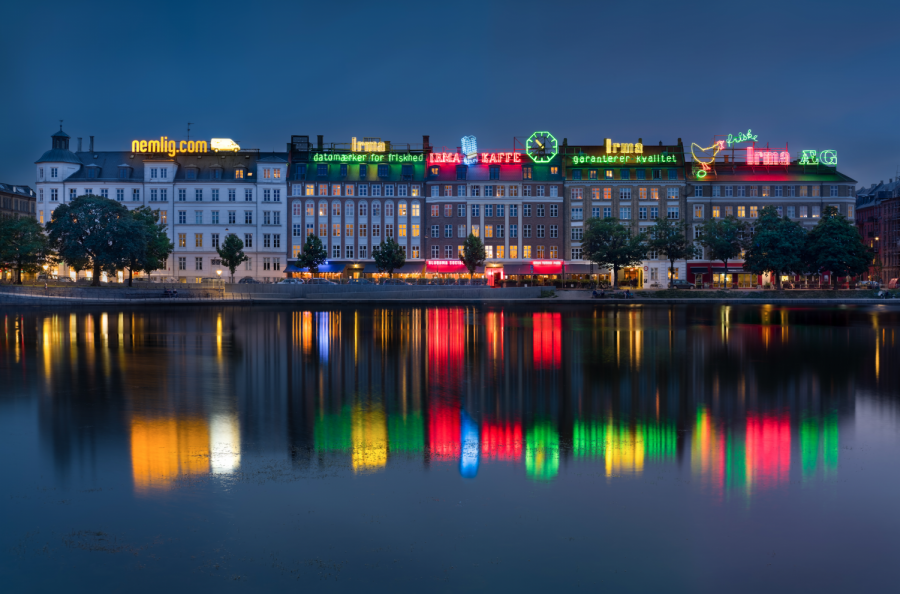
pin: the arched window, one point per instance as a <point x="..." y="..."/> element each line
<point x="335" y="209"/>
<point x="310" y="208"/>
<point x="363" y="208"/>
<point x="348" y="209"/>
<point x="323" y="209"/>
<point x="401" y="208"/>
<point x="415" y="208"/>
<point x="298" y="208"/>
<point x="376" y="209"/>
<point x="389" y="208"/>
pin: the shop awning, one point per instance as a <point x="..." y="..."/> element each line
<point x="411" y="268"/>
<point x="371" y="268"/>
<point x="330" y="268"/>
<point x="445" y="267"/>
<point x="547" y="266"/>
<point x="739" y="269"/>
<point x="517" y="269"/>
<point x="580" y="269"/>
<point x="292" y="268"/>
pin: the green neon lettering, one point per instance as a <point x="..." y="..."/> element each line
<point x="828" y="157"/>
<point x="809" y="158"/>
<point x="741" y="137"/>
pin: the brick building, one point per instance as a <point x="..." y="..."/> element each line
<point x="878" y="221"/>
<point x="17" y="201"/>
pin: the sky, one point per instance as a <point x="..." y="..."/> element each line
<point x="809" y="75"/>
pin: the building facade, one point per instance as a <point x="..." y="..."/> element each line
<point x="739" y="180"/>
<point x="878" y="221"/>
<point x="201" y="195"/>
<point x="512" y="200"/>
<point x="354" y="195"/>
<point x="17" y="201"/>
<point x="629" y="181"/>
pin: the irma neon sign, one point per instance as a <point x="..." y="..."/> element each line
<point x="170" y="147"/>
<point x="767" y="157"/>
<point x="490" y="158"/>
<point x="368" y="145"/>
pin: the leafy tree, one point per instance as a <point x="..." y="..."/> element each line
<point x="473" y="253"/>
<point x="609" y="244"/>
<point x="93" y="229"/>
<point x="776" y="246"/>
<point x="388" y="256"/>
<point x="23" y="246"/>
<point x="149" y="253"/>
<point x="232" y="253"/>
<point x="723" y="239"/>
<point x="670" y="239"/>
<point x="834" y="246"/>
<point x="313" y="254"/>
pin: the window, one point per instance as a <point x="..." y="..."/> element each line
<point x="239" y="173"/>
<point x="383" y="170"/>
<point x="779" y="210"/>
<point x="198" y="217"/>
<point x="488" y="251"/>
<point x="654" y="193"/>
<point x="267" y="217"/>
<point x="460" y="190"/>
<point x="182" y="195"/>
<point x="476" y="230"/>
<point x="595" y="212"/>
<point x="499" y="231"/>
<point x="232" y="195"/>
<point x="698" y="211"/>
<point x="376" y="190"/>
<point x="335" y="209"/>
<point x="715" y="212"/>
<point x="576" y="174"/>
<point x="104" y="193"/>
<point x="182" y="240"/>
<point x="672" y="212"/>
<point x="802" y="211"/>
<point x="376" y="230"/>
<point x="435" y="251"/>
<point x="494" y="172"/>
<point x="540" y="190"/>
<point x="389" y="230"/>
<point x="850" y="211"/>
<point x="554" y="231"/>
<point x="698" y="191"/>
<point x="267" y="195"/>
<point x="217" y="173"/>
<point x="814" y="210"/>
<point x="741" y="211"/>
<point x="790" y="212"/>
<point x="526" y="231"/>
<point x="527" y="172"/>
<point x="790" y="191"/>
<point x="728" y="211"/>
<point x="741" y="191"/>
<point x="577" y="214"/>
<point x="120" y="194"/>
<point x="576" y="253"/>
<point x="672" y="193"/>
<point x="362" y="229"/>
<point x="489" y="190"/>
<point x="500" y="210"/>
<point x="815" y="191"/>
<point x="554" y="170"/>
<point x="135" y="195"/>
<point x="539" y="210"/>
<point x="834" y="191"/>
<point x="182" y="263"/>
<point x="153" y="171"/>
<point x="153" y="195"/>
<point x="298" y="229"/>
<point x="376" y="209"/>
<point x="642" y="212"/>
<point x="577" y="233"/>
<point x="448" y="231"/>
<point x="624" y="174"/>
<point x="389" y="189"/>
<point x="336" y="230"/>
<point x="513" y="231"/>
<point x="232" y="217"/>
<point x="401" y="230"/>
<point x="488" y="210"/>
<point x="624" y="193"/>
<point x="248" y="195"/>
<point x="53" y="171"/>
<point x="461" y="231"/>
<point x="182" y="217"/>
<point x="673" y="174"/>
<point x="248" y="217"/>
<point x="754" y="212"/>
<point x="198" y="240"/>
<point x="754" y="190"/>
<point x="729" y="191"/>
<point x="389" y="209"/>
<point x="625" y="213"/>
<point x="778" y="191"/>
<point x="362" y="209"/>
<point x="488" y="230"/>
<point x="348" y="230"/>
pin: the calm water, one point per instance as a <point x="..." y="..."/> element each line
<point x="678" y="449"/>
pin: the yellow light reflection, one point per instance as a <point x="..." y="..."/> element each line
<point x="162" y="449"/>
<point x="368" y="436"/>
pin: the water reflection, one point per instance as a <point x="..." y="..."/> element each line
<point x="745" y="400"/>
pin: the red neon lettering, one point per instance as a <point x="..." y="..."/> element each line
<point x="517" y="157"/>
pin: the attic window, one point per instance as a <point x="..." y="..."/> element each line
<point x="124" y="172"/>
<point x="190" y="173"/>
<point x="92" y="172"/>
<point x="239" y="173"/>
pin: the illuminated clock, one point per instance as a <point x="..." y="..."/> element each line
<point x="541" y="147"/>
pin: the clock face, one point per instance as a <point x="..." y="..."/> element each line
<point x="541" y="147"/>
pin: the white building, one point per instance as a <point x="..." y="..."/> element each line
<point x="201" y="197"/>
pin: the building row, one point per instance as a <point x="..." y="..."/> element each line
<point x="878" y="221"/>
<point x="527" y="203"/>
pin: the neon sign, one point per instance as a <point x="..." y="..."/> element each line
<point x="708" y="153"/>
<point x="828" y="157"/>
<point x="767" y="157"/>
<point x="368" y="145"/>
<point x="612" y="159"/>
<point x="483" y="157"/>
<point x="368" y="157"/>
<point x="470" y="150"/>
<point x="741" y="137"/>
<point x="164" y="145"/>
<point x="623" y="147"/>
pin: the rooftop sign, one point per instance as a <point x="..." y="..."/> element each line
<point x="169" y="147"/>
<point x="368" y="145"/>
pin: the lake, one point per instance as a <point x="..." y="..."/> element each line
<point x="633" y="448"/>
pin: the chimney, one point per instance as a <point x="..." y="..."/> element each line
<point x="679" y="141"/>
<point x="320" y="141"/>
<point x="660" y="143"/>
<point x="79" y="144"/>
<point x="640" y="141"/>
<point x="425" y="144"/>
<point x="92" y="144"/>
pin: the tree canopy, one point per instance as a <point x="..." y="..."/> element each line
<point x="154" y="246"/>
<point x="388" y="256"/>
<point x="776" y="245"/>
<point x="232" y="253"/>
<point x="670" y="239"/>
<point x="313" y="254"/>
<point x="724" y="239"/>
<point x="834" y="246"/>
<point x="23" y="246"/>
<point x="95" y="230"/>
<point x="609" y="244"/>
<point x="473" y="253"/>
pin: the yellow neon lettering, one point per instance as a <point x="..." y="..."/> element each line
<point x="143" y="146"/>
<point x="171" y="152"/>
<point x="181" y="146"/>
<point x="135" y="146"/>
<point x="201" y="146"/>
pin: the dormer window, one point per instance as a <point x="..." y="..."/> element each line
<point x="239" y="173"/>
<point x="92" y="172"/>
<point x="362" y="171"/>
<point x="321" y="170"/>
<point x="383" y="171"/>
<point x="124" y="172"/>
<point x="190" y="173"/>
<point x="406" y="172"/>
<point x="343" y="170"/>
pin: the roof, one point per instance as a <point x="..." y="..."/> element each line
<point x="109" y="163"/>
<point x="23" y="191"/>
<point x="271" y="159"/>
<point x="739" y="172"/>
<point x="59" y="156"/>
<point x="60" y="134"/>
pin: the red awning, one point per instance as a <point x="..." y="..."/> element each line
<point x="445" y="267"/>
<point x="547" y="266"/>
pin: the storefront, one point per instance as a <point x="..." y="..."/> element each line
<point x="410" y="270"/>
<point x="719" y="277"/>
<point x="450" y="269"/>
<point x="537" y="272"/>
<point x="331" y="271"/>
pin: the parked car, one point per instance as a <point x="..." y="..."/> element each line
<point x="320" y="281"/>
<point x="66" y="279"/>
<point x="392" y="281"/>
<point x="290" y="281"/>
<point x="478" y="282"/>
<point x="248" y="280"/>
<point x="680" y="283"/>
<point x="422" y="281"/>
<point x="867" y="285"/>
<point x="360" y="281"/>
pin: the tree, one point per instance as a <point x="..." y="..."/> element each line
<point x="834" y="246"/>
<point x="388" y="256"/>
<point x="152" y="247"/>
<point x="473" y="253"/>
<point x="670" y="239"/>
<point x="313" y="254"/>
<point x="93" y="229"/>
<point x="723" y="239"/>
<point x="23" y="246"/>
<point x="609" y="244"/>
<point x="232" y="253"/>
<point x="776" y="246"/>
